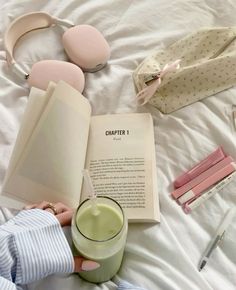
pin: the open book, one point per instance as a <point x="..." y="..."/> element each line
<point x="58" y="138"/>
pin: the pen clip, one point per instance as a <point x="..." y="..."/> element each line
<point x="221" y="238"/>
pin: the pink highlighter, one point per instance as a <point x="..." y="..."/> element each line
<point x="211" y="180"/>
<point x="202" y="166"/>
<point x="177" y="193"/>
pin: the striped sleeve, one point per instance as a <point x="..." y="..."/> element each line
<point x="34" y="246"/>
<point x="7" y="285"/>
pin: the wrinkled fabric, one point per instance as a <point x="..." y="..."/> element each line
<point x="157" y="256"/>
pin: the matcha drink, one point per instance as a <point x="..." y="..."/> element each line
<point x="100" y="235"/>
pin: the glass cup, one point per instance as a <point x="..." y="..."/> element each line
<point x="99" y="234"/>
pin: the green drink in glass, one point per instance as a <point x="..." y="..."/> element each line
<point x="100" y="235"/>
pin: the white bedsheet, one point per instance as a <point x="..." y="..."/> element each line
<point x="163" y="256"/>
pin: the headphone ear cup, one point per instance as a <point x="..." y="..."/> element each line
<point x="86" y="47"/>
<point x="45" y="71"/>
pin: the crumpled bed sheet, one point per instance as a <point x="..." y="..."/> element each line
<point x="161" y="256"/>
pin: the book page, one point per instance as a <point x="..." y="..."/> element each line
<point x="36" y="103"/>
<point x="121" y="162"/>
<point x="35" y="106"/>
<point x="51" y="164"/>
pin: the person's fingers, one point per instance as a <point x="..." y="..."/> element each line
<point x="50" y="210"/>
<point x="65" y="218"/>
<point x="62" y="212"/>
<point x="60" y="207"/>
<point x="30" y="206"/>
<point x="40" y="205"/>
<point x="43" y="205"/>
<point x="84" y="265"/>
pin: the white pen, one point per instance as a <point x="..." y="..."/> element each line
<point x="234" y="115"/>
<point x="209" y="193"/>
<point x="217" y="237"/>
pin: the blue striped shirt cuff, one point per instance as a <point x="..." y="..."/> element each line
<point x="40" y="244"/>
<point x="7" y="285"/>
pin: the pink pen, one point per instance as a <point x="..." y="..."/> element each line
<point x="201" y="187"/>
<point x="202" y="166"/>
<point x="212" y="170"/>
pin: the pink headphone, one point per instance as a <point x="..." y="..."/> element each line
<point x="84" y="44"/>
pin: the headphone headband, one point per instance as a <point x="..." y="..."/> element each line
<point x="24" y="24"/>
<point x="84" y="45"/>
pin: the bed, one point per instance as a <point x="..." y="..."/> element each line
<point x="161" y="256"/>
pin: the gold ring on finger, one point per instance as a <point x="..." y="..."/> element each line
<point x="52" y="207"/>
